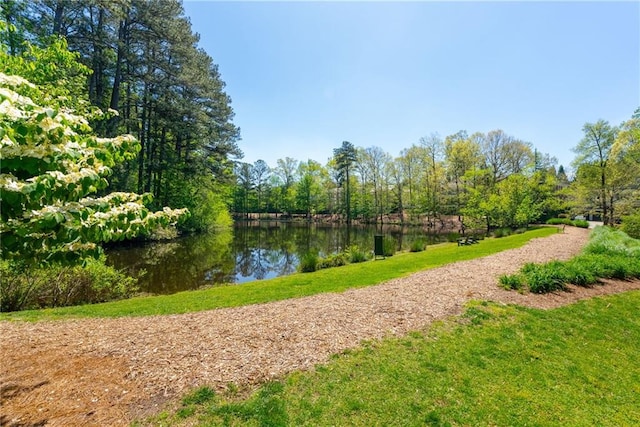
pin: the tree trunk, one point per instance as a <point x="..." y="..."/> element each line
<point x="57" y="18"/>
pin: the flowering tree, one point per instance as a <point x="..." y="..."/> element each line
<point x="50" y="164"/>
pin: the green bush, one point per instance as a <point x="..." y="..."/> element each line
<point x="559" y="221"/>
<point x="356" y="255"/>
<point x="631" y="225"/>
<point x="333" y="260"/>
<point x="418" y="245"/>
<point x="453" y="237"/>
<point x="24" y="287"/>
<point x="501" y="232"/>
<point x="388" y="246"/>
<point x="308" y="263"/>
<point x="566" y="221"/>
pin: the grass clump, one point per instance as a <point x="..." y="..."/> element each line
<point x="495" y="365"/>
<point x="609" y="254"/>
<point x="513" y="282"/>
<point x="308" y="263"/>
<point x="418" y="245"/>
<point x="389" y="246"/>
<point x="356" y="255"/>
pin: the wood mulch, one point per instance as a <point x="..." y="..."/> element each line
<point x="110" y="371"/>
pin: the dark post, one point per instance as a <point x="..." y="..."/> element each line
<point x="378" y="246"/>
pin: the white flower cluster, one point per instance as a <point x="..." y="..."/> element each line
<point x="14" y="81"/>
<point x="9" y="182"/>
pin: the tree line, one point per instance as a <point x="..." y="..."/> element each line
<point x="490" y="180"/>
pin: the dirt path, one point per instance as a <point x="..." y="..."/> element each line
<point x="110" y="371"/>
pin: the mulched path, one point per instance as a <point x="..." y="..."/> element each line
<point x="110" y="371"/>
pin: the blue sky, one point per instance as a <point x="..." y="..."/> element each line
<point x="305" y="76"/>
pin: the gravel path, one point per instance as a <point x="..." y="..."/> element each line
<point x="110" y="371"/>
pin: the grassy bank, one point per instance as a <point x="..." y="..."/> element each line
<point x="297" y="285"/>
<point x="495" y="365"/>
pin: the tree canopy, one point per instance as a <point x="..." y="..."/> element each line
<point x="51" y="164"/>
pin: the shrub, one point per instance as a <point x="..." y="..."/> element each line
<point x="559" y="221"/>
<point x="389" y="246"/>
<point x="355" y="254"/>
<point x="631" y="225"/>
<point x="333" y="260"/>
<point x="501" y="232"/>
<point x="566" y="221"/>
<point x="308" y="263"/>
<point x="27" y="287"/>
<point x="418" y="245"/>
<point x="453" y="237"/>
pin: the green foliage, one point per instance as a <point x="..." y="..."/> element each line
<point x="206" y="204"/>
<point x="418" y="245"/>
<point x="512" y="282"/>
<point x="501" y="232"/>
<point x="265" y="408"/>
<point x="356" y="255"/>
<point x="631" y="225"/>
<point x="606" y="240"/>
<point x="308" y="263"/>
<point x="199" y="396"/>
<point x="453" y="237"/>
<point x="51" y="163"/>
<point x="389" y="246"/>
<point x="546" y="278"/>
<point x="26" y="287"/>
<point x="610" y="254"/>
<point x="333" y="260"/>
<point x="496" y="365"/>
<point x="559" y="221"/>
<point x="581" y="223"/>
<point x="55" y="72"/>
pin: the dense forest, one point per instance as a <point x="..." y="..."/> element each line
<point x="143" y="63"/>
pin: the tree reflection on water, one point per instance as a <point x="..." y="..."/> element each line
<point x="248" y="251"/>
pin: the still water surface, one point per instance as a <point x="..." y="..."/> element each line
<point x="248" y="251"/>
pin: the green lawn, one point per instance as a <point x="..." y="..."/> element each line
<point x="494" y="366"/>
<point x="297" y="285"/>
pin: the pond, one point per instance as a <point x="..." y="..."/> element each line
<point x="248" y="251"/>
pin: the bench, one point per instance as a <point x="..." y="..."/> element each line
<point x="463" y="241"/>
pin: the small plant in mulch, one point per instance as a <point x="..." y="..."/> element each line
<point x="610" y="254"/>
